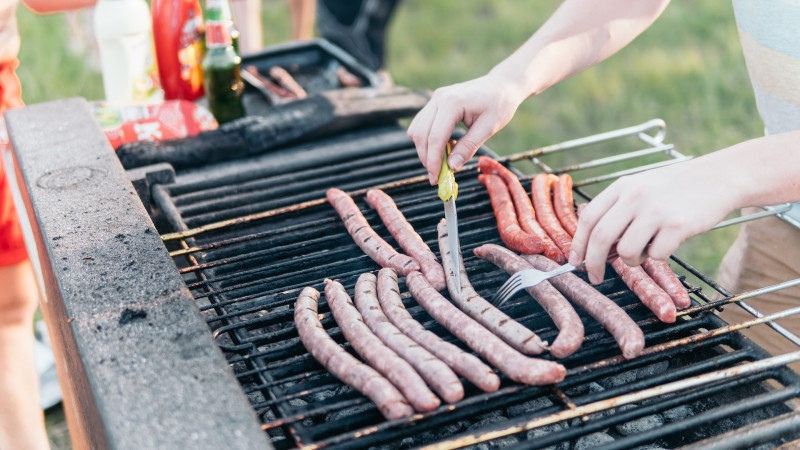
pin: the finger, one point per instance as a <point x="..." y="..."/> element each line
<point x="441" y="130"/>
<point x="589" y="214"/>
<point x="632" y="245"/>
<point x="608" y="229"/>
<point x="664" y="243"/>
<point x="418" y="132"/>
<point x="480" y="131"/>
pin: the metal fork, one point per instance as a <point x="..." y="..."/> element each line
<point x="525" y="279"/>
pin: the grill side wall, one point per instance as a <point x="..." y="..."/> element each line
<point x="136" y="362"/>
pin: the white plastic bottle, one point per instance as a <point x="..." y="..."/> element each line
<point x="124" y="36"/>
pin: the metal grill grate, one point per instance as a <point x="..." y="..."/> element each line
<point x="251" y="234"/>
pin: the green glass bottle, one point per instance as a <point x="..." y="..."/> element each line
<point x="221" y="65"/>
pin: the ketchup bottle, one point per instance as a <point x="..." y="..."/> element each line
<point x="178" y="34"/>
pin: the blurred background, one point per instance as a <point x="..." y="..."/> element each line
<point x="687" y="69"/>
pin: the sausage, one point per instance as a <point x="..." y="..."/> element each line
<point x="342" y="365"/>
<point x="541" y="187"/>
<point x="570" y="327"/>
<point x="627" y="334"/>
<point x="646" y="289"/>
<point x="525" y="213"/>
<point x="365" y="237"/>
<point x="380" y="357"/>
<point x="507" y="224"/>
<point x="663" y="275"/>
<point x="407" y="238"/>
<point x="512" y="332"/>
<point x="435" y="372"/>
<point x="346" y="78"/>
<point x="463" y="363"/>
<point x="287" y="81"/>
<point x="563" y="204"/>
<point x="268" y="84"/>
<point x="512" y="363"/>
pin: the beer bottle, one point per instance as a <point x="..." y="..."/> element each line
<point x="221" y="65"/>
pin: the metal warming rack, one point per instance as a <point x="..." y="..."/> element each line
<point x="249" y="236"/>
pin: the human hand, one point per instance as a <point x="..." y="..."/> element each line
<point x="651" y="214"/>
<point x="485" y="105"/>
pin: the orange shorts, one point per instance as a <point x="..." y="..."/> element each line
<point x="12" y="246"/>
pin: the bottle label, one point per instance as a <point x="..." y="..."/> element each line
<point x="190" y="49"/>
<point x="217" y="35"/>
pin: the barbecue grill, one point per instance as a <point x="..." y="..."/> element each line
<point x="204" y="353"/>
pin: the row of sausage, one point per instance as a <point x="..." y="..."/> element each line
<point x="546" y="221"/>
<point x="403" y="357"/>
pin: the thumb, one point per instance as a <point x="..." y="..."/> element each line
<point x="466" y="147"/>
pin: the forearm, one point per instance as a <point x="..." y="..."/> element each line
<point x="761" y="171"/>
<point x="53" y="6"/>
<point x="578" y="35"/>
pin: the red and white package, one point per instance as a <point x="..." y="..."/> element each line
<point x="168" y="120"/>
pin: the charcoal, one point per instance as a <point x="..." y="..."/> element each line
<point x="486" y="420"/>
<point x="529" y="406"/>
<point x="342" y="413"/>
<point x="595" y="387"/>
<point x="678" y="413"/>
<point x="652" y="370"/>
<point x="593" y="440"/>
<point x="640" y="425"/>
<point x="539" y="432"/>
<point x="619" y="379"/>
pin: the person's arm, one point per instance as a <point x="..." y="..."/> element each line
<point x="666" y="206"/>
<point x="54" y="6"/>
<point x="578" y="35"/>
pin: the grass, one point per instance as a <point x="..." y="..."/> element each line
<point x="687" y="69"/>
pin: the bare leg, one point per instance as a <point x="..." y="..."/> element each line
<point x="21" y="418"/>
<point x="247" y="17"/>
<point x="303" y="13"/>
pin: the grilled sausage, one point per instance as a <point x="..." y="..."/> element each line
<point x="627" y="334"/>
<point x="346" y="78"/>
<point x="570" y="327"/>
<point x="514" y="333"/>
<point x="512" y="363"/>
<point x="463" y="363"/>
<point x="380" y="357"/>
<point x="341" y="364"/>
<point x="407" y="238"/>
<point x="646" y="289"/>
<point x="435" y="372"/>
<point x="563" y="204"/>
<point x="287" y="81"/>
<point x="507" y="224"/>
<point x="365" y="237"/>
<point x="663" y="275"/>
<point x="525" y="213"/>
<point x="268" y="84"/>
<point x="541" y="187"/>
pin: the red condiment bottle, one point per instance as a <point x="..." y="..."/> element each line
<point x="178" y="34"/>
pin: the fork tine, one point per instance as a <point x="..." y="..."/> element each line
<point x="507" y="290"/>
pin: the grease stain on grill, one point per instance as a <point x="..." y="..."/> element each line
<point x="129" y="315"/>
<point x="69" y="176"/>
